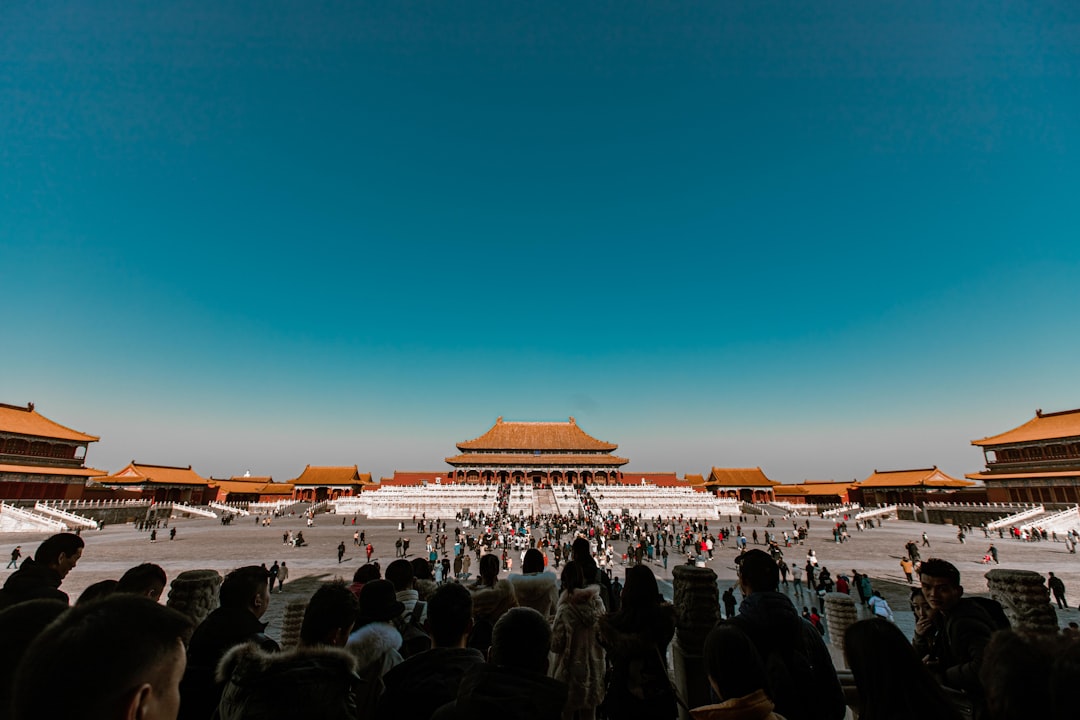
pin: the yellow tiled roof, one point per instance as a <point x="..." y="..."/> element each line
<point x="1044" y="426"/>
<point x="26" y="421"/>
<point x="536" y="436"/>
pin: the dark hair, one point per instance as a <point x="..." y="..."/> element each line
<point x="400" y="572"/>
<point x="533" y="562"/>
<point x="125" y="636"/>
<point x="572" y="577"/>
<point x="96" y="591"/>
<point x="449" y="612"/>
<point x="641" y="590"/>
<point x="142" y="578"/>
<point x="1030" y="675"/>
<point x="758" y="571"/>
<point x="734" y="679"/>
<point x="332" y="607"/>
<point x="50" y="550"/>
<point x="489" y="567"/>
<point x="938" y="568"/>
<point x="421" y="568"/>
<point x="521" y="638"/>
<point x="19" y="626"/>
<point x="367" y="573"/>
<point x="891" y="679"/>
<point x="241" y="585"/>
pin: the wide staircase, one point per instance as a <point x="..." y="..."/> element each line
<point x="544" y="501"/>
<point x="17" y="519"/>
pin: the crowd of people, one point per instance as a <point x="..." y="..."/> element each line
<point x="561" y="640"/>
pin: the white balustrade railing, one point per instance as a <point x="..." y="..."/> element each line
<point x="33" y="517"/>
<point x="70" y="519"/>
<point x="1062" y="520"/>
<point x="1016" y="518"/>
<point x="227" y="508"/>
<point x="876" y="512"/>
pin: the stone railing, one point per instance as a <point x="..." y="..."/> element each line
<point x="189" y="509"/>
<point x="16" y="519"/>
<point x="876" y="512"/>
<point x="225" y="508"/>
<point x="69" y="519"/>
<point x="1016" y="519"/>
<point x="1068" y="519"/>
<point x="95" y="504"/>
<point x="849" y="508"/>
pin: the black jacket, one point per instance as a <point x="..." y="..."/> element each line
<point x="32" y="581"/>
<point x="492" y="691"/>
<point x="416" y="688"/>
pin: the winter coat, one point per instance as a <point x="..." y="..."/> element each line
<point x="755" y="706"/>
<point x="319" y="683"/>
<point x="580" y="660"/>
<point x="537" y="590"/>
<point x="490" y="603"/>
<point x="376" y="647"/>
<point x="409" y="598"/>
<point x="493" y="691"/>
<point x="416" y="688"/>
<point x="639" y="685"/>
<point x="32" y="581"/>
<point x="963" y="634"/>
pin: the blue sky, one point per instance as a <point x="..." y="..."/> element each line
<point x="818" y="237"/>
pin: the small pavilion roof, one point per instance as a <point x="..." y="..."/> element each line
<point x="536" y="436"/>
<point x="26" y="421"/>
<point x="530" y="459"/>
<point x="145" y="474"/>
<point x="922" y="477"/>
<point x="739" y="477"/>
<point x="44" y="470"/>
<point x="1044" y="426"/>
<point x="332" y="475"/>
<point x="252" y="486"/>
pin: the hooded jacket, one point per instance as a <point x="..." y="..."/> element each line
<point x="580" y="659"/>
<point x="755" y="706"/>
<point x="537" y="590"/>
<point x="637" y="649"/>
<point x="319" y="683"/>
<point x="495" y="691"/>
<point x="32" y="581"/>
<point x="417" y="687"/>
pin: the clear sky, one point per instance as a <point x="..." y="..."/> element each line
<point x="820" y="237"/>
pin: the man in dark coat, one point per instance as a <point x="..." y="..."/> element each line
<point x="244" y="597"/>
<point x="41" y="575"/>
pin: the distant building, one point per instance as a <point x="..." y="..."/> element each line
<point x="891" y="487"/>
<point x="318" y="483"/>
<point x="1038" y="462"/>
<point x="745" y="484"/>
<point x="247" y="489"/>
<point x="816" y="492"/>
<point x="41" y="459"/>
<point x="162" y="483"/>
<point x="537" y="453"/>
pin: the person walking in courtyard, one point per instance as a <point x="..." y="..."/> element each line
<point x="340" y="551"/>
<point x="908" y="567"/>
<point x="993" y="553"/>
<point x="282" y="576"/>
<point x="925" y="540"/>
<point x="16" y="553"/>
<point x="1058" y="589"/>
<point x="369" y="550"/>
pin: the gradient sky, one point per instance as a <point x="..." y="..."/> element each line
<point x="819" y="237"/>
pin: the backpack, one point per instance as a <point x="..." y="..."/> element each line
<point x="998" y="618"/>
<point x="790" y="676"/>
<point x="413" y="638"/>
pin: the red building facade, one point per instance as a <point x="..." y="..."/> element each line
<point x="41" y="459"/>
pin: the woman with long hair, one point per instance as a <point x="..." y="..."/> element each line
<point x="892" y="681"/>
<point x="579" y="657"/>
<point x="636" y="639"/>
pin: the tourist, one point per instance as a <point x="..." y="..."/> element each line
<point x="775" y="628"/>
<point x="908" y="567"/>
<point x="282" y="576"/>
<point x="1057" y="587"/>
<point x="535" y="587"/>
<point x="244" y="597"/>
<point x="740" y="686"/>
<point x="19" y="626"/>
<point x="42" y="575"/>
<point x="147" y="579"/>
<point x="376" y="642"/>
<point x="636" y="640"/>
<point x="892" y="682"/>
<point x="579" y="658"/>
<point x="491" y="599"/>
<point x="316" y="680"/>
<point x="133" y="658"/>
<point x="880" y="606"/>
<point x="961" y="626"/>
<point x="728" y="599"/>
<point x="419" y="685"/>
<point x="16" y="553"/>
<point x="414" y="611"/>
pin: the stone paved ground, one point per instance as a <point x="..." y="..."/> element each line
<point x="205" y="543"/>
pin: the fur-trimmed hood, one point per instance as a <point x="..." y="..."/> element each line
<point x="536" y="590"/>
<point x="321" y="682"/>
<point x="583" y="605"/>
<point x="374" y="642"/>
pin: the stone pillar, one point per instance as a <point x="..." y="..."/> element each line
<point x="840" y="613"/>
<point x="1026" y="599"/>
<point x="195" y="593"/>
<point x="291" y="622"/>
<point x="697" y="610"/>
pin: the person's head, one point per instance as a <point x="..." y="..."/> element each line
<point x="757" y="572"/>
<point x="533" y="562"/>
<point x="247" y="588"/>
<point x="400" y="573"/>
<point x="20" y="625"/>
<point x="379" y="603"/>
<point x="134" y="659"/>
<point x="367" y="573"/>
<point x="421" y="569"/>
<point x="61" y="552"/>
<point x="330" y="616"/>
<point x="147" y="579"/>
<point x="96" y="591"/>
<point x="489" y="568"/>
<point x="450" y="616"/>
<point x="891" y="678"/>
<point x="1030" y="675"/>
<point x="919" y="606"/>
<point x="733" y="679"/>
<point x="571" y="577"/>
<point x="641" y="590"/>
<point x="521" y="639"/>
<point x="940" y="581"/>
<point x="581" y="550"/>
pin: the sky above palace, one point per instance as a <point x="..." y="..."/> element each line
<point x="820" y="237"/>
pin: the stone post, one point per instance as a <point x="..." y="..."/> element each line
<point x="195" y="593"/>
<point x="697" y="610"/>
<point x="840" y="613"/>
<point x="1026" y="599"/>
<point x="291" y="622"/>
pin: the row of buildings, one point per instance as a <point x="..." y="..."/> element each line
<point x="40" y="459"/>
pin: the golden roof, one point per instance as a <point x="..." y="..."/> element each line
<point x="531" y="459"/>
<point x="922" y="477"/>
<point x="141" y="473"/>
<point x="739" y="477"/>
<point x="1044" y="426"/>
<point x="536" y="436"/>
<point x="332" y="475"/>
<point x="43" y="470"/>
<point x="26" y="421"/>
